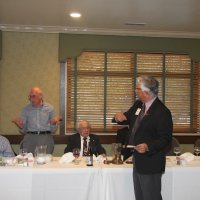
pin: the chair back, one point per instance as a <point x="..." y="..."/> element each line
<point x="122" y="137"/>
<point x="197" y="143"/>
<point x="170" y="148"/>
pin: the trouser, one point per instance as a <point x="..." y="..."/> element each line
<point x="147" y="186"/>
<point x="30" y="142"/>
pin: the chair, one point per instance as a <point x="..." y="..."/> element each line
<point x="170" y="148"/>
<point x="197" y="142"/>
<point x="123" y="135"/>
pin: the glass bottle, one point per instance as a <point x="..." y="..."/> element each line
<point x="89" y="157"/>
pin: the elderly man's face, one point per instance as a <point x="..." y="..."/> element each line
<point x="84" y="129"/>
<point x="35" y="98"/>
<point x="142" y="95"/>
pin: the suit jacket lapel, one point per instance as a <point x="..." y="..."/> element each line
<point x="152" y="107"/>
<point x="149" y="111"/>
<point x="78" y="141"/>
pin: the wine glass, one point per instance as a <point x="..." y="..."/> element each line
<point x="197" y="150"/>
<point x="76" y="154"/>
<point x="177" y="150"/>
<point x="23" y="152"/>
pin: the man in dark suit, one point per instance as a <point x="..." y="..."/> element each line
<point x="84" y="139"/>
<point x="151" y="126"/>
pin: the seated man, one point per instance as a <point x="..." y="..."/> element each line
<point x="123" y="135"/>
<point x="5" y="148"/>
<point x="84" y="139"/>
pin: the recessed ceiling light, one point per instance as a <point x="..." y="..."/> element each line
<point x="75" y="15"/>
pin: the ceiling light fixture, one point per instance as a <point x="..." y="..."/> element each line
<point x="75" y="15"/>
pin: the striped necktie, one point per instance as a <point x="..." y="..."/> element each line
<point x="137" y="124"/>
<point x="85" y="149"/>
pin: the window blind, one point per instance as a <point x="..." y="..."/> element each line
<point x="99" y="84"/>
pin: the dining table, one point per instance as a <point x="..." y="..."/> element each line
<point x="77" y="181"/>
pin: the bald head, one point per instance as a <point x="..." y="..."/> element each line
<point x="84" y="128"/>
<point x="36" y="96"/>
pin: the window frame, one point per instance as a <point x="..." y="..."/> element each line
<point x="195" y="104"/>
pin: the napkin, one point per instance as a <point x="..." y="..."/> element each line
<point x="49" y="158"/>
<point x="188" y="157"/>
<point x="67" y="158"/>
<point x="99" y="158"/>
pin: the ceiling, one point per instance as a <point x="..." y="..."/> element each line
<point x="159" y="18"/>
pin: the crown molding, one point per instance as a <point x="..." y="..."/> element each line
<point x="95" y="31"/>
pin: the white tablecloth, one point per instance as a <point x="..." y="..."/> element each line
<point x="54" y="181"/>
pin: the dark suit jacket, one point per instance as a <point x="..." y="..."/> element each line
<point x="156" y="131"/>
<point x="74" y="141"/>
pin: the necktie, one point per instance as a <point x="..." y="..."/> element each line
<point x="84" y="146"/>
<point x="136" y="124"/>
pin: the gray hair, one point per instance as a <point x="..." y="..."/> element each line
<point x="148" y="84"/>
<point x="83" y="123"/>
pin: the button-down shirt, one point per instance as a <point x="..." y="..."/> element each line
<point x="38" y="118"/>
<point x="5" y="148"/>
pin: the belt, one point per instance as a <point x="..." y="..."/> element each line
<point x="39" y="132"/>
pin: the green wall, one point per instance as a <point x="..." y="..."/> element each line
<point x="71" y="45"/>
<point x="28" y="59"/>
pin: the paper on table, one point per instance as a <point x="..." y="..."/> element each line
<point x="128" y="146"/>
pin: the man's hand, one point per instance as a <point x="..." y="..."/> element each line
<point x="19" y="122"/>
<point x="120" y="117"/>
<point x="55" y="120"/>
<point x="141" y="148"/>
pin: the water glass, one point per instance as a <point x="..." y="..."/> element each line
<point x="177" y="150"/>
<point x="40" y="152"/>
<point x="197" y="150"/>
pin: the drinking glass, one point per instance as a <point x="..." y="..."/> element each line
<point x="41" y="154"/>
<point x="177" y="150"/>
<point x="76" y="153"/>
<point x="23" y="160"/>
<point x="197" y="150"/>
<point x="23" y="152"/>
